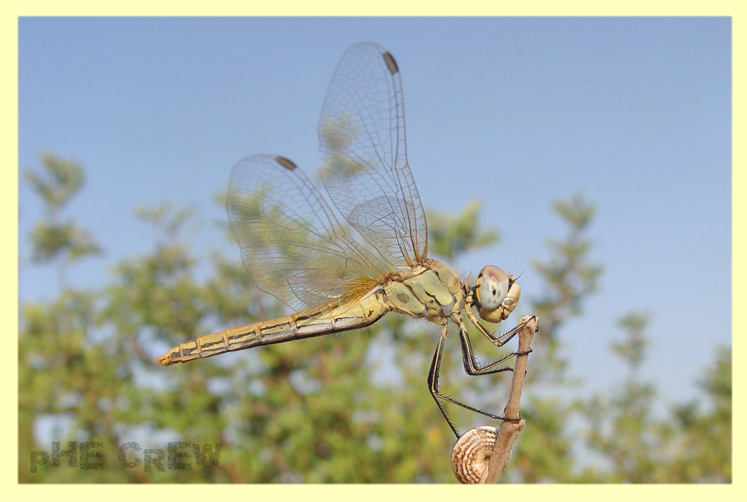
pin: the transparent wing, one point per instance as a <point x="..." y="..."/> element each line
<point x="362" y="129"/>
<point x="291" y="243"/>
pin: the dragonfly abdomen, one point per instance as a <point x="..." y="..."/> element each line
<point x="316" y="321"/>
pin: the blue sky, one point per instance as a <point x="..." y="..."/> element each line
<point x="635" y="113"/>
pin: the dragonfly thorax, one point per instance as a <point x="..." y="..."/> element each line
<point x="432" y="291"/>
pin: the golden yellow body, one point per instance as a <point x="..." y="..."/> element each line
<point x="431" y="291"/>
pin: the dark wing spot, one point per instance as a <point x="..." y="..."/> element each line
<point x="391" y="64"/>
<point x="286" y="163"/>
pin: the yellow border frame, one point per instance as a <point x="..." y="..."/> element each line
<point x="11" y="10"/>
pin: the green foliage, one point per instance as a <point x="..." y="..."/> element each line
<point x="52" y="240"/>
<point x="633" y="347"/>
<point x="57" y="183"/>
<point x="688" y="446"/>
<point x="569" y="276"/>
<point x="703" y="436"/>
<point x="167" y="220"/>
<point x="351" y="407"/>
<point x="621" y="425"/>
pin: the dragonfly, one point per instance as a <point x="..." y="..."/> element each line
<point x="338" y="277"/>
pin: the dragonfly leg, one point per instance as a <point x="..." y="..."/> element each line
<point x="471" y="366"/>
<point x="498" y="341"/>
<point x="436" y="368"/>
<point x="433" y="374"/>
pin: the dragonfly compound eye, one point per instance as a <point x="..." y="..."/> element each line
<point x="491" y="287"/>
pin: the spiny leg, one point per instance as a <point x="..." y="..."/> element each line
<point x="434" y="372"/>
<point x="471" y="366"/>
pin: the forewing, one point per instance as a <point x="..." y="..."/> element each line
<point x="291" y="243"/>
<point x="362" y="129"/>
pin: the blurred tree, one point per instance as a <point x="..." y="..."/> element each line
<point x="622" y="428"/>
<point x="52" y="240"/>
<point x="632" y="444"/>
<point x="54" y="356"/>
<point x="452" y="235"/>
<point x="699" y="439"/>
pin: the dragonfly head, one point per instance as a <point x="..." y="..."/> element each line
<point x="497" y="294"/>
